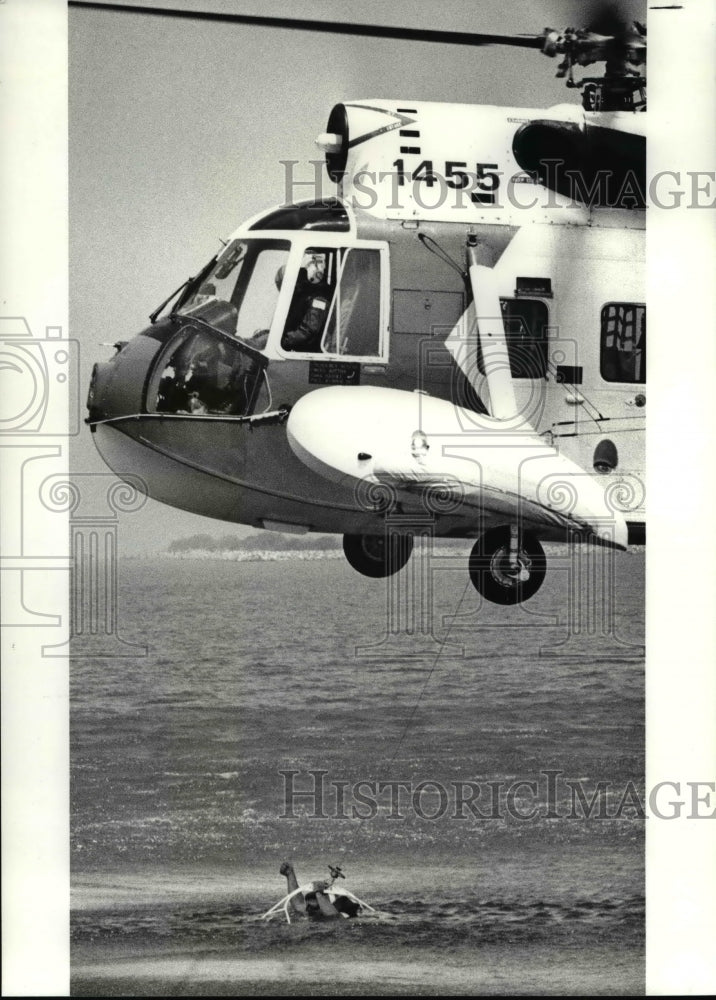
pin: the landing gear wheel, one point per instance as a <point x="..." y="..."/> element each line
<point x="376" y="555"/>
<point x="494" y="574"/>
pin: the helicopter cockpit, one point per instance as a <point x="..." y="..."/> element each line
<point x="324" y="296"/>
<point x="316" y="296"/>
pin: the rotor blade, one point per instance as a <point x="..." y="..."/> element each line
<point x="326" y="27"/>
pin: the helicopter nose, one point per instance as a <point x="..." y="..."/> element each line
<point x="117" y="386"/>
<point x="177" y="367"/>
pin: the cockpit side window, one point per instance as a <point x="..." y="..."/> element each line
<point x="311" y="301"/>
<point x="354" y="322"/>
<point x="335" y="308"/>
<point x="623" y="342"/>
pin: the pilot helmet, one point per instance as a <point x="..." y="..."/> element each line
<point x="315" y="264"/>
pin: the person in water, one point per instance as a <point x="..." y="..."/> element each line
<point x="315" y="904"/>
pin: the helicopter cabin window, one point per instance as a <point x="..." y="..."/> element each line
<point x="240" y="293"/>
<point x="203" y="372"/>
<point x="335" y="308"/>
<point x="525" y="322"/>
<point x="623" y="342"/>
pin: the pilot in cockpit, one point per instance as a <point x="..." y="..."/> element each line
<point x="309" y="307"/>
<point x="307" y="335"/>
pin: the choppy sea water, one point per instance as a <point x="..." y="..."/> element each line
<point x="480" y="785"/>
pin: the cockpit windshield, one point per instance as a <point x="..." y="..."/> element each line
<point x="239" y="295"/>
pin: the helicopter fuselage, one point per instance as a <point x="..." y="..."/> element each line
<point x="327" y="293"/>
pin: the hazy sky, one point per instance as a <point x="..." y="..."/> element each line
<point x="178" y="130"/>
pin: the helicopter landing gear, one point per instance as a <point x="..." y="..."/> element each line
<point x="507" y="566"/>
<point x="376" y="555"/>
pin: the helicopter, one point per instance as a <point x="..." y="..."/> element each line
<point x="456" y="332"/>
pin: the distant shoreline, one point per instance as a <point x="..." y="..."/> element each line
<point x="255" y="555"/>
<point x="309" y="555"/>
